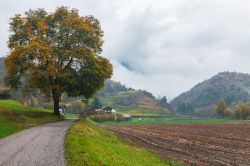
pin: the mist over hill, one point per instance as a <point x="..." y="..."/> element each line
<point x="232" y="87"/>
<point x="125" y="100"/>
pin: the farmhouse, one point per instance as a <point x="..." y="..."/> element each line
<point x="62" y="110"/>
<point x="107" y="110"/>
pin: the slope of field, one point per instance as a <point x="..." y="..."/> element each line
<point x="15" y="117"/>
<point x="193" y="143"/>
<point x="86" y="144"/>
<point x="134" y="102"/>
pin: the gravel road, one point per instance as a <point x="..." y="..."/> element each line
<point x="37" y="146"/>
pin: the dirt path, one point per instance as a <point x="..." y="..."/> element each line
<point x="37" y="146"/>
<point x="194" y="144"/>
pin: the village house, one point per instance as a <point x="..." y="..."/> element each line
<point x="108" y="110"/>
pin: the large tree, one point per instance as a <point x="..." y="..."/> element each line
<point x="56" y="52"/>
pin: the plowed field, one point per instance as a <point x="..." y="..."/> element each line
<point x="192" y="143"/>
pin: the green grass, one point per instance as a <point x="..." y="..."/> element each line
<point x="139" y="111"/>
<point x="165" y="120"/>
<point x="71" y="116"/>
<point x="15" y="117"/>
<point x="14" y="105"/>
<point x="86" y="144"/>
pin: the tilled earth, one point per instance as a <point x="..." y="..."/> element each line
<point x="192" y="143"/>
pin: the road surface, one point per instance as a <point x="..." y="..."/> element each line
<point x="37" y="146"/>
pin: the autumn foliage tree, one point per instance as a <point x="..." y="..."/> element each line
<point x="241" y="111"/>
<point x="56" y="52"/>
<point x="221" y="109"/>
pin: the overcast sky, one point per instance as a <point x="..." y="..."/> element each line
<point x="163" y="46"/>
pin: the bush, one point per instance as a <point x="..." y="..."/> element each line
<point x="76" y="106"/>
<point x="5" y="94"/>
<point x="119" y="118"/>
<point x="102" y="118"/>
<point x="241" y="111"/>
<point x="85" y="113"/>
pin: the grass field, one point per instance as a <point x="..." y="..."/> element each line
<point x="71" y="116"/>
<point x="166" y="120"/>
<point x="15" y="117"/>
<point x="86" y="144"/>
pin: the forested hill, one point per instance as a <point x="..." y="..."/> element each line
<point x="128" y="100"/>
<point x="230" y="86"/>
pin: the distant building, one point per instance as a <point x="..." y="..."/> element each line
<point x="108" y="110"/>
<point x="62" y="110"/>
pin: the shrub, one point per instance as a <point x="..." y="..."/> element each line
<point x="76" y="106"/>
<point x="119" y="118"/>
<point x="241" y="111"/>
<point x="102" y="118"/>
<point x="5" y="94"/>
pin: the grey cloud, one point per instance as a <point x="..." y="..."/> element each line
<point x="164" y="46"/>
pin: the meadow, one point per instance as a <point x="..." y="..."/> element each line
<point x="86" y="144"/>
<point x="15" y="117"/>
<point x="167" y="120"/>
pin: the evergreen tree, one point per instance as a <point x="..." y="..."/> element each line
<point x="96" y="104"/>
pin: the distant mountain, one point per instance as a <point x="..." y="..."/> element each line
<point x="232" y="87"/>
<point x="134" y="102"/>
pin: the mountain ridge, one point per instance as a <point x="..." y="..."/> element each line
<point x="232" y="87"/>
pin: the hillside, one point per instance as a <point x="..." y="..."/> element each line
<point x="232" y="87"/>
<point x="15" y="117"/>
<point x="134" y="102"/>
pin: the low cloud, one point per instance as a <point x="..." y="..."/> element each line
<point x="163" y="46"/>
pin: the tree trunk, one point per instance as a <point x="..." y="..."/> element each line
<point x="56" y="106"/>
<point x="56" y="99"/>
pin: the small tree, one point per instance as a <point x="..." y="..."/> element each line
<point x="221" y="109"/>
<point x="241" y="111"/>
<point x="76" y="106"/>
<point x="96" y="104"/>
<point x="57" y="53"/>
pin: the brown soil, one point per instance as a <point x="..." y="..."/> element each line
<point x="192" y="143"/>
